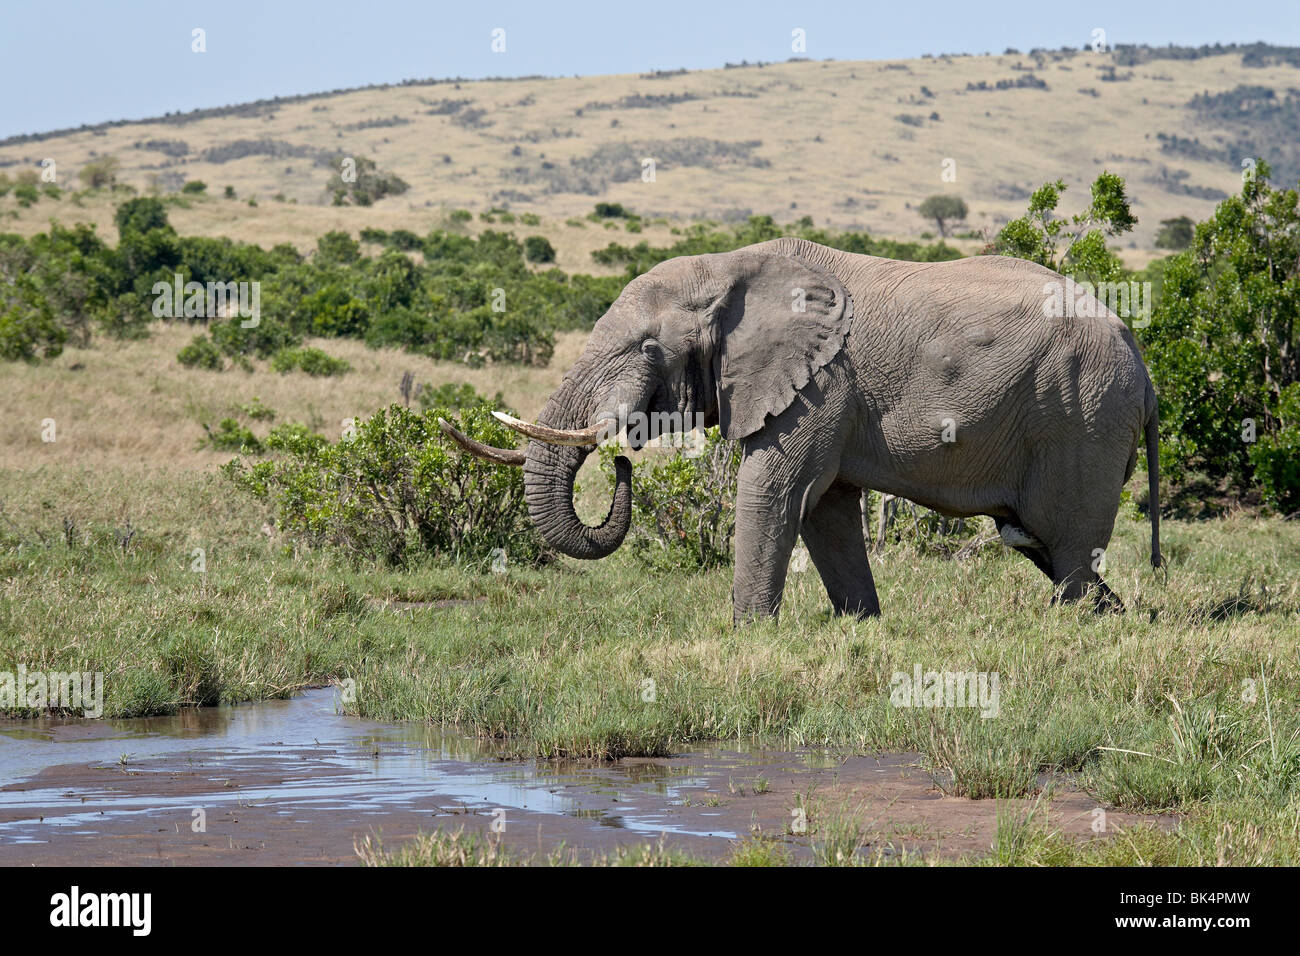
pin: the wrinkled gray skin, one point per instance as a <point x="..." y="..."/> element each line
<point x="854" y="392"/>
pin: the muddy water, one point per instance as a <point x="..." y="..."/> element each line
<point x="292" y="782"/>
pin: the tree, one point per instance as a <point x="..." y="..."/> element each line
<point x="1175" y="234"/>
<point x="538" y="249"/>
<point x="1037" y="235"/>
<point x="366" y="186"/>
<point x="141" y="215"/>
<point x="100" y="172"/>
<point x="944" y="210"/>
<point x="1224" y="347"/>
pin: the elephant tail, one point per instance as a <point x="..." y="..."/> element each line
<point x="1153" y="475"/>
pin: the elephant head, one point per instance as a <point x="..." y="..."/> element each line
<point x="725" y="339"/>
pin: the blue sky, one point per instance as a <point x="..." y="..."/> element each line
<point x="86" y="61"/>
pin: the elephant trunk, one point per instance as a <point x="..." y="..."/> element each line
<point x="549" y="473"/>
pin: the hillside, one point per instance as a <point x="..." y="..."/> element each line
<point x="852" y="144"/>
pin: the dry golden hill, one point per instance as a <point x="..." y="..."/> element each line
<point x="852" y="144"/>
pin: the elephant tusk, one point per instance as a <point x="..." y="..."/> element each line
<point x="557" y="436"/>
<point x="500" y="456"/>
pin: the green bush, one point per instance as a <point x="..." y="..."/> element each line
<point x="1224" y="349"/>
<point x="293" y="438"/>
<point x="100" y="172"/>
<point x="1175" y="234"/>
<point x="231" y="436"/>
<point x="367" y="187"/>
<point x="338" y="248"/>
<point x="1037" y="235"/>
<point x="201" y="353"/>
<point x="28" y="333"/>
<point x="310" y="360"/>
<point x="538" y="249"/>
<point x="1276" y="455"/>
<point x="897" y="521"/>
<point x="143" y="214"/>
<point x="257" y="410"/>
<point x="456" y="397"/>
<point x="195" y="187"/>
<point x="683" y="505"/>
<point x="397" y="491"/>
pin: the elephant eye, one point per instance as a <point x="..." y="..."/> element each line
<point x="653" y="351"/>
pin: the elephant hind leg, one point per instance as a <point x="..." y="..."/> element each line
<point x="1074" y="572"/>
<point x="1016" y="537"/>
<point x="833" y="533"/>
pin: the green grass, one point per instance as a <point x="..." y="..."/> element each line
<point x="1193" y="691"/>
<point x="457" y="848"/>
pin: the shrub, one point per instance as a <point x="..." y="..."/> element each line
<point x="1036" y="235"/>
<point x="293" y="437"/>
<point x="899" y="521"/>
<point x="338" y="247"/>
<point x="257" y="410"/>
<point x="1175" y="234"/>
<point x="100" y="172"/>
<point x="263" y="340"/>
<point x="367" y="187"/>
<point x="231" y="436"/>
<point x="538" y="249"/>
<point x="456" y="397"/>
<point x="195" y="187"/>
<point x="313" y="361"/>
<point x="202" y="352"/>
<point x="141" y="215"/>
<point x="1224" y="348"/>
<point x="683" y="506"/>
<point x="28" y="333"/>
<point x="398" y="491"/>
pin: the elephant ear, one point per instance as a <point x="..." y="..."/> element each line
<point x="784" y="319"/>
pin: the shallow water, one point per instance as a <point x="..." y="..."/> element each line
<point x="304" y="759"/>
<point x="294" y="782"/>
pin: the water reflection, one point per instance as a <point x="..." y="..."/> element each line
<point x="304" y="756"/>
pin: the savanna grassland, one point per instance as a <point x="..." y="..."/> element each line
<point x="124" y="549"/>
<point x="855" y="145"/>
<point x="1194" y="688"/>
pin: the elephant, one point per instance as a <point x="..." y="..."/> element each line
<point x="951" y="384"/>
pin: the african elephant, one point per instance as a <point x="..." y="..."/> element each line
<point x="947" y="383"/>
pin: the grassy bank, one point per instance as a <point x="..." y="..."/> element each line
<point x="1195" y="688"/>
<point x="121" y="551"/>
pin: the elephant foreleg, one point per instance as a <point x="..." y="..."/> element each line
<point x="765" y="534"/>
<point x="833" y="533"/>
<point x="774" y="491"/>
